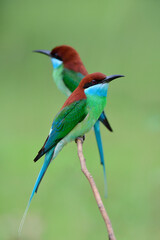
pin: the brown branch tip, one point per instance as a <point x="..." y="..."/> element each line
<point x="94" y="188"/>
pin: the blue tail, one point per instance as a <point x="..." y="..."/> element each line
<point x="100" y="148"/>
<point x="47" y="160"/>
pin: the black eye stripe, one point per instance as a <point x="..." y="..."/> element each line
<point x="92" y="83"/>
<point x="55" y="55"/>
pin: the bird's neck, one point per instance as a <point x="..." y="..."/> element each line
<point x="56" y="62"/>
<point x="96" y="99"/>
<point x="77" y="95"/>
<point x="58" y="79"/>
<point x="75" y="64"/>
<point x="97" y="90"/>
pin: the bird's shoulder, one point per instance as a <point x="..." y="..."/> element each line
<point x="71" y="78"/>
<point x="65" y="121"/>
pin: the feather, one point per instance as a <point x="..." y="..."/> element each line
<point x="100" y="148"/>
<point x="47" y="160"/>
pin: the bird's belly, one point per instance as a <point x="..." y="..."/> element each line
<point x="58" y="79"/>
<point x="79" y="130"/>
<point x="94" y="111"/>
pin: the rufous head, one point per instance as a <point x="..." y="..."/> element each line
<point x="66" y="55"/>
<point x="96" y="78"/>
<point x="92" y="84"/>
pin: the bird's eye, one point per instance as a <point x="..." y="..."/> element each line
<point x="93" y="81"/>
<point x="55" y="55"/>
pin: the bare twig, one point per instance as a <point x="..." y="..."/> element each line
<point x="97" y="196"/>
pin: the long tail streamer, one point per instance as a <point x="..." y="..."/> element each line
<point x="47" y="160"/>
<point x="100" y="148"/>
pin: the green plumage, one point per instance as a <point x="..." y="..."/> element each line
<point x="72" y="121"/>
<point x="66" y="80"/>
<point x="92" y="108"/>
<point x="71" y="79"/>
<point x="65" y="121"/>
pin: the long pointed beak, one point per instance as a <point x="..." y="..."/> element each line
<point x="112" y="77"/>
<point x="45" y="52"/>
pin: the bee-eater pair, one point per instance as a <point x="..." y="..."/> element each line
<point x="68" y="71"/>
<point x="80" y="111"/>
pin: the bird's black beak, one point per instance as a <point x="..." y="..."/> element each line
<point x="45" y="52"/>
<point x="112" y="77"/>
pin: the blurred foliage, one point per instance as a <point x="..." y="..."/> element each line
<point x="113" y="37"/>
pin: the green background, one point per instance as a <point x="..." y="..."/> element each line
<point x="113" y="37"/>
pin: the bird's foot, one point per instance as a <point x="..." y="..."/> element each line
<point x="82" y="138"/>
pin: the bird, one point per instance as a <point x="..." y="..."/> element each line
<point x="76" y="117"/>
<point x="68" y="71"/>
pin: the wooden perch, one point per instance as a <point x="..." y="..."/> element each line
<point x="97" y="196"/>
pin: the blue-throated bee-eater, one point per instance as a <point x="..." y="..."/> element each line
<point x="76" y="117"/>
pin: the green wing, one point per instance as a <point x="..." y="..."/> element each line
<point x="63" y="123"/>
<point x="71" y="79"/>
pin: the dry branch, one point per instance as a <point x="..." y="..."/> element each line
<point x="97" y="196"/>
